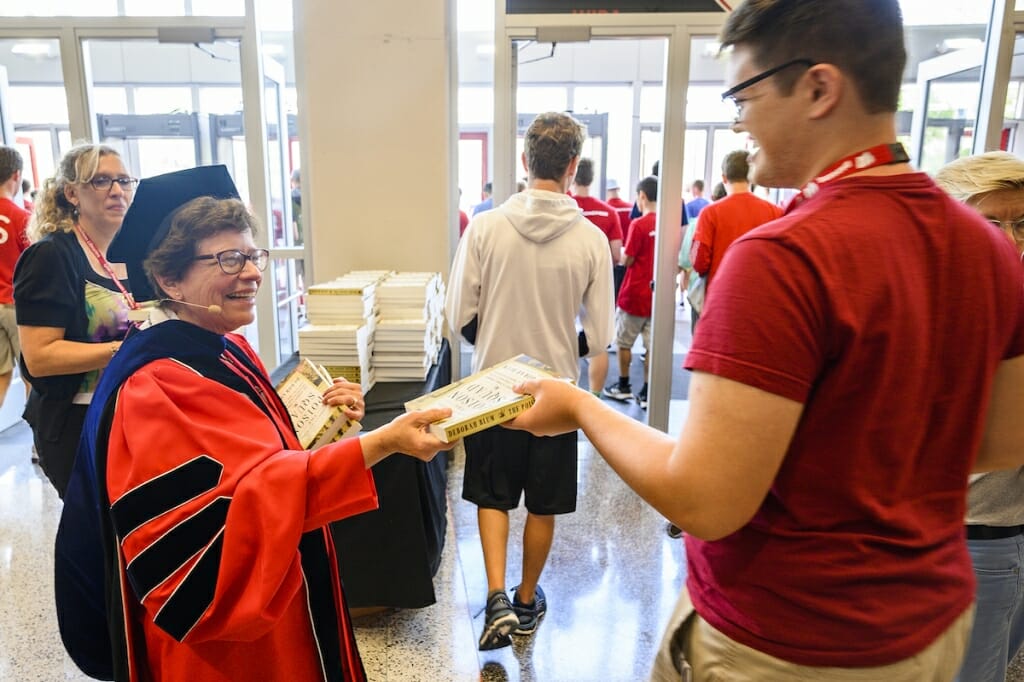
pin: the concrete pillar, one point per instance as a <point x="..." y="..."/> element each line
<point x="377" y="89"/>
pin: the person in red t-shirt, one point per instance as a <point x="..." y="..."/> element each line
<point x="633" y="304"/>
<point x="724" y="221"/>
<point x="621" y="206"/>
<point x="622" y="209"/>
<point x="837" y="405"/>
<point x="13" y="240"/>
<point x="604" y="216"/>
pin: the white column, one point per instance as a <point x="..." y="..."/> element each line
<point x="377" y="120"/>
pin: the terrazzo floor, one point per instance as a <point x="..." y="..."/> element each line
<point x="611" y="582"/>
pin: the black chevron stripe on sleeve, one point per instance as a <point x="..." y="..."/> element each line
<point x="194" y="595"/>
<point x="164" y="493"/>
<point x="173" y="549"/>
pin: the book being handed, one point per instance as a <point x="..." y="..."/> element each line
<point x="316" y="424"/>
<point x="484" y="399"/>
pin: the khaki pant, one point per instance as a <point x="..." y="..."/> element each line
<point x="693" y="650"/>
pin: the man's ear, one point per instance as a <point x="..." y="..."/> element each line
<point x="824" y="86"/>
<point x="573" y="167"/>
<point x="522" y="157"/>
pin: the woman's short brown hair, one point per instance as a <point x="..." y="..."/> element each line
<point x="195" y="221"/>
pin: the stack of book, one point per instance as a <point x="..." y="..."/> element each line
<point x="342" y="317"/>
<point x="343" y="349"/>
<point x="408" y="335"/>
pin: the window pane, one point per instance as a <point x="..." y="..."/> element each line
<point x="947" y="12"/>
<point x="163" y="100"/>
<point x="538" y="99"/>
<point x="59" y="8"/>
<point x="476" y="105"/>
<point x="652" y="104"/>
<point x="617" y="102"/>
<point x="220" y="100"/>
<point x="274" y="15"/>
<point x="694" y="159"/>
<point x="154" y="8"/>
<point x="110" y="100"/>
<point x="704" y="105"/>
<point x="218" y="8"/>
<point x="38" y="104"/>
<point x="952" y="103"/>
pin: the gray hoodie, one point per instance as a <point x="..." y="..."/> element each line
<point x="527" y="270"/>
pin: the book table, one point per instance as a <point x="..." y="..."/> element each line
<point x="388" y="557"/>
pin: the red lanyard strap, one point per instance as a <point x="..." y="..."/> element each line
<point x="880" y="155"/>
<point x="106" y="266"/>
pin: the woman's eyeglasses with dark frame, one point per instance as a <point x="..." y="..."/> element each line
<point x="232" y="261"/>
<point x="103" y="183"/>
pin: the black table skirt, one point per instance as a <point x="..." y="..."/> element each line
<point x="388" y="557"/>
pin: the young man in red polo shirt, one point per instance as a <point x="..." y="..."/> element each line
<point x="836" y="407"/>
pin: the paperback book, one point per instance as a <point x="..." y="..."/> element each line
<point x="484" y="399"/>
<point x="316" y="424"/>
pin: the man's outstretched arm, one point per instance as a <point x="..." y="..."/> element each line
<point x="709" y="481"/>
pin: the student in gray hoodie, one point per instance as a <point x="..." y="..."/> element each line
<point x="526" y="271"/>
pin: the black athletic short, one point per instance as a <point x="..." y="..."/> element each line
<point x="502" y="464"/>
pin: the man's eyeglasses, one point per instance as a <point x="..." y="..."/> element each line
<point x="232" y="261"/>
<point x="103" y="183"/>
<point x="730" y="94"/>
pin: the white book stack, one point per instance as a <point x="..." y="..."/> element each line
<point x="409" y="332"/>
<point x="342" y="318"/>
<point x="345" y="350"/>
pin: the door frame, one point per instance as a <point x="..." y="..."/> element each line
<point x="679" y="30"/>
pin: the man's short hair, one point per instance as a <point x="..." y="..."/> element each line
<point x="649" y="186"/>
<point x="488" y="188"/>
<point x="968" y="178"/>
<point x="584" y="173"/>
<point x="698" y="185"/>
<point x="736" y="166"/>
<point x="553" y="140"/>
<point x="10" y="163"/>
<point x="863" y="38"/>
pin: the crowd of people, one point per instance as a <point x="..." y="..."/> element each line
<point x="847" y="476"/>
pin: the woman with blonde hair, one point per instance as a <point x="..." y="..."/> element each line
<point x="993" y="184"/>
<point x="71" y="304"/>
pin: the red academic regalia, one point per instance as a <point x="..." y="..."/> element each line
<point x="227" y="569"/>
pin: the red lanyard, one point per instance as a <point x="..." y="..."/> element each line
<point x="106" y="266"/>
<point x="881" y="155"/>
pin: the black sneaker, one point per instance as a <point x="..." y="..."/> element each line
<point x="616" y="392"/>
<point x="499" y="621"/>
<point x="529" y="614"/>
<point x="641" y="398"/>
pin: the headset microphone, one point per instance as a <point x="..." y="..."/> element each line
<point x="215" y="309"/>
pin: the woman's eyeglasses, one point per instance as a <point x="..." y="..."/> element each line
<point x="232" y="261"/>
<point x="1015" y="227"/>
<point x="103" y="183"/>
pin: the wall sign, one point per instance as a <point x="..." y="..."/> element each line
<point x="616" y="6"/>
